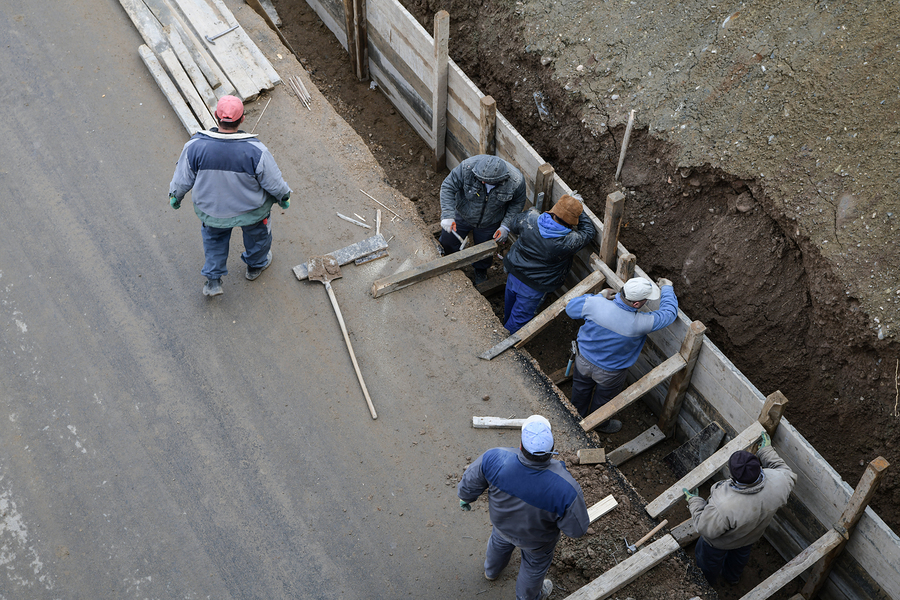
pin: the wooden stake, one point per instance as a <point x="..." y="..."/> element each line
<point x="261" y="116"/>
<point x="354" y="221"/>
<point x="380" y="204"/>
<point x="625" y="141"/>
<point x="439" y="89"/>
<point x="690" y="350"/>
<point x="625" y="266"/>
<point x="543" y="183"/>
<point x="357" y="37"/>
<point x="377" y="221"/>
<point x="487" y="126"/>
<point x="615" y="208"/>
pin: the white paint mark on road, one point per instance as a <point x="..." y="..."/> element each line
<point x="18" y="558"/>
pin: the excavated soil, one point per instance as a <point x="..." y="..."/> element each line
<point x="759" y="177"/>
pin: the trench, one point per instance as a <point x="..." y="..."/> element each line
<point x="767" y="298"/>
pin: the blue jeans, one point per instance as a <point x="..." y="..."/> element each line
<point x="520" y="304"/>
<point x="535" y="564"/>
<point x="714" y="562"/>
<point x="257" y="243"/>
<point x="479" y="234"/>
<point x="592" y="387"/>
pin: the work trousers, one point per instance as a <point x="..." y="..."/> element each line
<point x="592" y="387"/>
<point x="535" y="564"/>
<point x="714" y="562"/>
<point x="520" y="304"/>
<point x="257" y="243"/>
<point x="479" y="234"/>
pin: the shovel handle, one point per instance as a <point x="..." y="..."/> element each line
<point x="340" y="318"/>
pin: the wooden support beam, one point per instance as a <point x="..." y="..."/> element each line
<point x="641" y="443"/>
<point x="854" y="510"/>
<point x="772" y="410"/>
<point x="705" y="471"/>
<point x="685" y="533"/>
<point x="591" y="456"/>
<point x="783" y="576"/>
<point x="439" y="89"/>
<point x="627" y="571"/>
<point x="543" y="184"/>
<point x="690" y="350"/>
<point x="634" y="392"/>
<point x="601" y="508"/>
<point x="537" y="324"/>
<point x="487" y="126"/>
<point x="357" y="37"/>
<point x="433" y="268"/>
<point x="625" y="266"/>
<point x="497" y="423"/>
<point x="168" y="88"/>
<point x="612" y="220"/>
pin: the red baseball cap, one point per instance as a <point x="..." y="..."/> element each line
<point x="230" y="109"/>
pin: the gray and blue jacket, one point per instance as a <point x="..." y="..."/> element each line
<point x="530" y="502"/>
<point x="234" y="178"/>
<point x="464" y="195"/>
<point x="613" y="332"/>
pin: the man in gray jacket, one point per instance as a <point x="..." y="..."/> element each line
<point x="482" y="195"/>
<point x="531" y="498"/>
<point x="739" y="510"/>
<point x="235" y="182"/>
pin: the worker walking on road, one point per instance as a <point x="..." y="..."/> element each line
<point x="531" y="498"/>
<point x="482" y="195"/>
<point x="541" y="256"/>
<point x="235" y="182"/>
<point x="739" y="510"/>
<point x="611" y="339"/>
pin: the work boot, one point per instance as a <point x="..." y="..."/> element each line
<point x="489" y="578"/>
<point x="254" y="272"/>
<point x="213" y="287"/>
<point x="480" y="276"/>
<point x="610" y="426"/>
<point x="546" y="589"/>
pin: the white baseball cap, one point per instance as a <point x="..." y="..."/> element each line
<point x="638" y="288"/>
<point x="537" y="437"/>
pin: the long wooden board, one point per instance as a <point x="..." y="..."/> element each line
<point x="168" y="88"/>
<point x="797" y="565"/>
<point x="433" y="268"/>
<point x="641" y="443"/>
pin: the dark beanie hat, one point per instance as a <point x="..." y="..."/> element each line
<point x="744" y="467"/>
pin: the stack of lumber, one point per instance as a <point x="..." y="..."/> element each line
<point x="192" y="71"/>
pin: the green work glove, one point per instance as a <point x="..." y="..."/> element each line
<point x="286" y="201"/>
<point x="765" y="441"/>
<point x="465" y="505"/>
<point x="688" y="494"/>
<point x="174" y="202"/>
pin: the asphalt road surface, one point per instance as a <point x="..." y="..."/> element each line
<point x="155" y="443"/>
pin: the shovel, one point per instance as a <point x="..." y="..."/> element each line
<point x="325" y="269"/>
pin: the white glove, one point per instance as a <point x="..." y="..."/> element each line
<point x="501" y="234"/>
<point x="663" y="282"/>
<point x="448" y="225"/>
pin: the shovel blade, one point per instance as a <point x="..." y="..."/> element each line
<point x="323" y="268"/>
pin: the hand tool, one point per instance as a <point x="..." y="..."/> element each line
<point x="218" y="35"/>
<point x="462" y="242"/>
<point x="572" y="358"/>
<point x="326" y="269"/>
<point x="633" y="548"/>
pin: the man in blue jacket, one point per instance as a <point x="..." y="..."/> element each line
<point x="531" y="498"/>
<point x="611" y="339"/>
<point x="482" y="195"/>
<point x="541" y="256"/>
<point x="235" y="182"/>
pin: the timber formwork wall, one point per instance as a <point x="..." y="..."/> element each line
<point x="401" y="61"/>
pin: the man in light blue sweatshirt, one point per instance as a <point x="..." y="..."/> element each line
<point x="611" y="339"/>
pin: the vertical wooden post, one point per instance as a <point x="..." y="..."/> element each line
<point x="439" y="91"/>
<point x="487" y="126"/>
<point x="543" y="182"/>
<point x="612" y="220"/>
<point x="860" y="499"/>
<point x="771" y="412"/>
<point x="626" y="265"/>
<point x="357" y="37"/>
<point x="678" y="385"/>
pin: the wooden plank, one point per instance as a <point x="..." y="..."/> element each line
<point x="439" y="88"/>
<point x="601" y="508"/>
<point x="400" y="92"/>
<point x="198" y="79"/>
<point x="348" y="254"/>
<point x="497" y="423"/>
<point x="796" y="566"/>
<point x="627" y="571"/>
<point x="693" y="452"/>
<point x="591" y="456"/>
<point x="690" y="350"/>
<point x="355" y="37"/>
<point x="168" y="88"/>
<point x="534" y="326"/>
<point x="513" y="147"/>
<point x="685" y="533"/>
<point x="615" y="209"/>
<point x="146" y="24"/>
<point x="487" y="125"/>
<point x="641" y="443"/>
<point x="543" y="184"/>
<point x="248" y="48"/>
<point x="705" y="471"/>
<point x="634" y="392"/>
<point x="432" y="268"/>
<point x="178" y="74"/>
<point x="463" y="107"/>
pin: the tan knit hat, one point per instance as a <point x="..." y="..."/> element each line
<point x="568" y="209"/>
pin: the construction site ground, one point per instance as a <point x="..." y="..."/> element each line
<point x="761" y="176"/>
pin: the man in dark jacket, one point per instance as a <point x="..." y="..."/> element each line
<point x="739" y="510"/>
<point x="235" y="182"/>
<point x="541" y="256"/>
<point x="531" y="498"/>
<point x="482" y="195"/>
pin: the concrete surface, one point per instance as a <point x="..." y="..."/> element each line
<point x="155" y="443"/>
